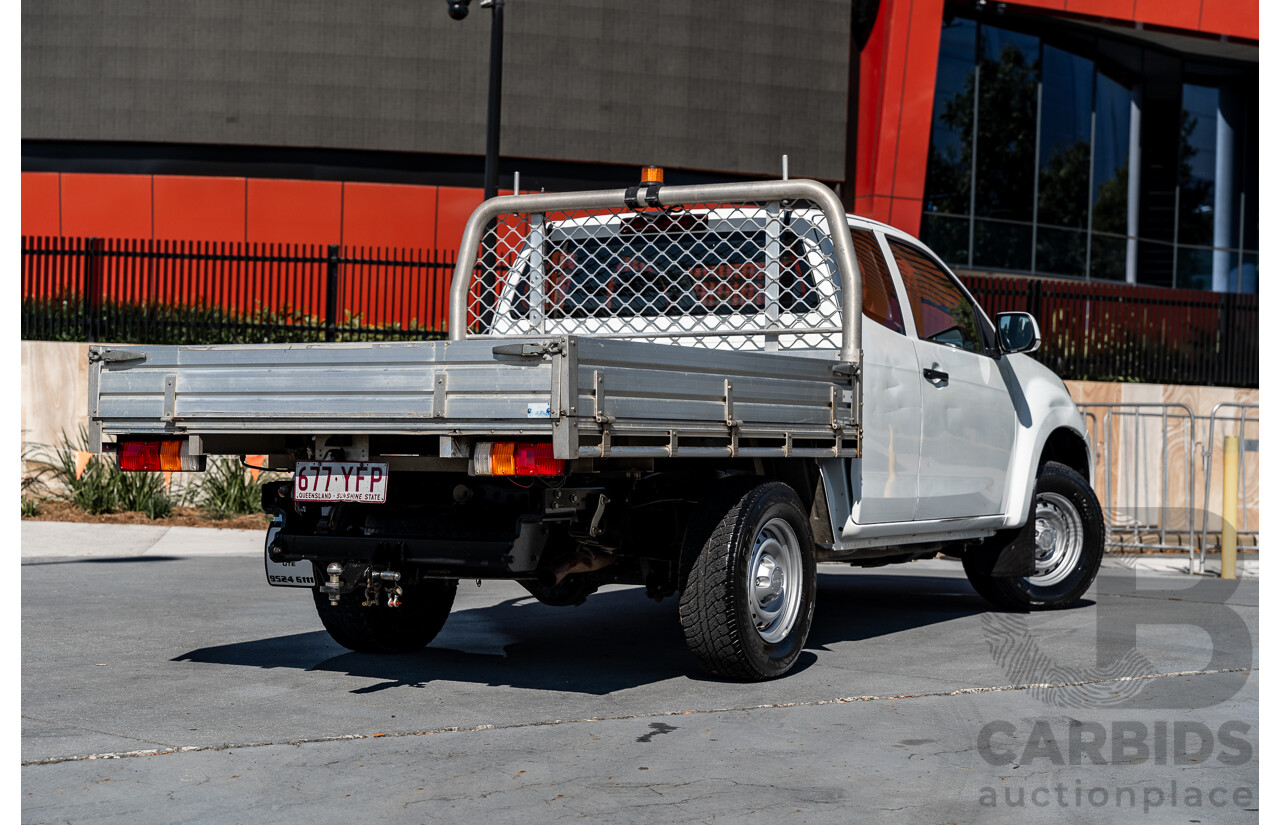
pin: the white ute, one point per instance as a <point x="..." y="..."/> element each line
<point x="704" y="390"/>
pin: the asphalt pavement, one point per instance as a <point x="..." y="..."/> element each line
<point x="164" y="681"/>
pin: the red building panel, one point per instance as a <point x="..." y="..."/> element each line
<point x="106" y="206"/>
<point x="905" y="212"/>
<point x="1233" y="19"/>
<point x="41" y="211"/>
<point x="199" y="208"/>
<point x="388" y="215"/>
<point x="870" y="75"/>
<point x="453" y="207"/>
<point x="1050" y="5"/>
<point x="1173" y="14"/>
<point x="896" y="80"/>
<point x="1113" y="9"/>
<point x="294" y="211"/>
<point x="916" y="118"/>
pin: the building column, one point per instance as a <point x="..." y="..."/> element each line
<point x="1223" y="200"/>
<point x="1135" y="186"/>
<point x="897" y="71"/>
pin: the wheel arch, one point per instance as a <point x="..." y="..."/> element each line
<point x="1060" y="438"/>
<point x="1066" y="446"/>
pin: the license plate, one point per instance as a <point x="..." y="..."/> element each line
<point x="340" y="481"/>
<point x="290" y="573"/>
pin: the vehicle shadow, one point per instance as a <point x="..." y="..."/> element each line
<point x="615" y="641"/>
<point x="853" y="608"/>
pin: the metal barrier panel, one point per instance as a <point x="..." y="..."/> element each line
<point x="1241" y="420"/>
<point x="1145" y="473"/>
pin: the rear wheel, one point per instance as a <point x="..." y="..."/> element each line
<point x="748" y="598"/>
<point x="381" y="629"/>
<point x="1070" y="536"/>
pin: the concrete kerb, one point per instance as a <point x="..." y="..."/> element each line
<point x="1179" y="564"/>
<point x="67" y="540"/>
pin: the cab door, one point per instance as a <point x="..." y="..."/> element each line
<point x="883" y="481"/>
<point x="968" y="420"/>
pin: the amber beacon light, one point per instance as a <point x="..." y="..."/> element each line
<point x="651" y="174"/>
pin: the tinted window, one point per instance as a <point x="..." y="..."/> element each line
<point x="879" y="299"/>
<point x="941" y="310"/>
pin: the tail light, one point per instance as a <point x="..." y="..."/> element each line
<point x="515" y="458"/>
<point x="161" y="455"/>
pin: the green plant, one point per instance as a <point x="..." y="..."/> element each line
<point x="30" y="507"/>
<point x="101" y="487"/>
<point x="226" y="489"/>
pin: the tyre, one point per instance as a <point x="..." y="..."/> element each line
<point x="383" y="629"/>
<point x="1070" y="535"/>
<point x="747" y="600"/>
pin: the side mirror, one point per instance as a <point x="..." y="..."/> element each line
<point x="1018" y="331"/>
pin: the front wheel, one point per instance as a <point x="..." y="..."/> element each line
<point x="380" y="629"/>
<point x="747" y="602"/>
<point x="1069" y="539"/>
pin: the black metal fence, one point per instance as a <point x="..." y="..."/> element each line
<point x="143" y="291"/>
<point x="136" y="291"/>
<point x="1119" y="332"/>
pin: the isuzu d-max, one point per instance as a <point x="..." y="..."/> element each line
<point x="701" y="390"/>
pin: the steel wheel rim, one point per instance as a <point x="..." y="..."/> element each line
<point x="774" y="580"/>
<point x="1059" y="539"/>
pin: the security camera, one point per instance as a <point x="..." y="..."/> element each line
<point x="458" y="8"/>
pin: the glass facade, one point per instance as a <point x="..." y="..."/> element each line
<point x="1077" y="155"/>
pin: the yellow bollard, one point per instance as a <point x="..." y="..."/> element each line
<point x="1230" y="490"/>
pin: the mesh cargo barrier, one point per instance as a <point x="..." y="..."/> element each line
<point x="751" y="275"/>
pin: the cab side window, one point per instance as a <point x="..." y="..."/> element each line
<point x="879" y="298"/>
<point x="942" y="311"/>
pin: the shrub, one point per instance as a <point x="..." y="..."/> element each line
<point x="102" y="487"/>
<point x="65" y="318"/>
<point x="226" y="489"/>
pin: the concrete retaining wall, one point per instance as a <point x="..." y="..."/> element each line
<point x="55" y="390"/>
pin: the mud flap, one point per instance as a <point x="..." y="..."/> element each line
<point x="1007" y="554"/>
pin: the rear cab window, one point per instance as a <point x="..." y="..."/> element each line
<point x="879" y="297"/>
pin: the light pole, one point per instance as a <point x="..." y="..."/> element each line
<point x="489" y="266"/>
<point x="458" y="10"/>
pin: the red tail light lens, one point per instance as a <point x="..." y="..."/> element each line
<point x="162" y="455"/>
<point x="537" y="460"/>
<point x="516" y="458"/>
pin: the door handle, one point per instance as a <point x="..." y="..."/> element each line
<point x="931" y="374"/>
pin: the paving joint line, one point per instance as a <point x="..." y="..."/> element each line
<point x="95" y="730"/>
<point x="55" y="760"/>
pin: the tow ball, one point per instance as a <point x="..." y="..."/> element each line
<point x="375" y="582"/>
<point x="334" y="586"/>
